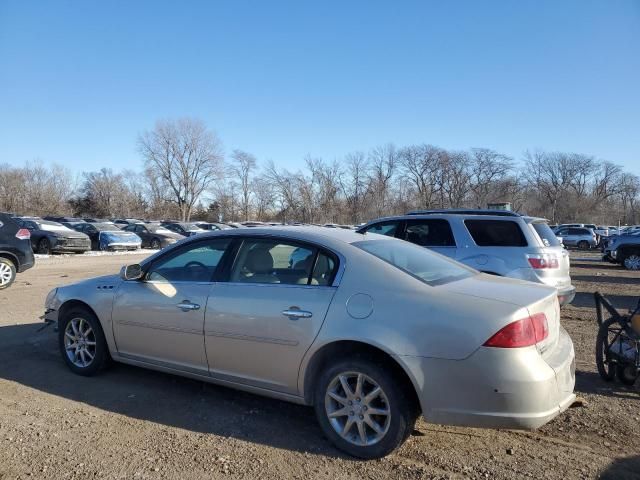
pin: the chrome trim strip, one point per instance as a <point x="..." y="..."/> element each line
<point x="159" y="327"/>
<point x="250" y="338"/>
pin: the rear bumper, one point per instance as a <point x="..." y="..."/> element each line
<point x="496" y="388"/>
<point x="566" y="295"/>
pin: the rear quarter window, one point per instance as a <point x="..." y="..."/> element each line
<point x="496" y="233"/>
<point x="546" y="235"/>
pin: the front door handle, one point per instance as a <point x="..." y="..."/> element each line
<point x="296" y="313"/>
<point x="186" y="306"/>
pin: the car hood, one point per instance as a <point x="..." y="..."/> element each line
<point x="506" y="290"/>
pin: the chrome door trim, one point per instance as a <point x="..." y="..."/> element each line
<point x="156" y="327"/>
<point x="250" y="338"/>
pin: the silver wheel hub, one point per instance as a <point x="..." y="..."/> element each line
<point x="633" y="262"/>
<point x="5" y="274"/>
<point x="80" y="342"/>
<point x="357" y="408"/>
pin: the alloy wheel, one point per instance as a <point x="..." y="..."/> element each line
<point x="357" y="408"/>
<point x="632" y="262"/>
<point x="80" y="342"/>
<point x="6" y="274"/>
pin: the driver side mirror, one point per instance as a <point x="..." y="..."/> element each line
<point x="131" y="272"/>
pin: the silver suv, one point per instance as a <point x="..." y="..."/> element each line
<point x="580" y="237"/>
<point x="496" y="242"/>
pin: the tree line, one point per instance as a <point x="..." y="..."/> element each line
<point x="186" y="175"/>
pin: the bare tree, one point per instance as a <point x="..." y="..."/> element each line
<point x="486" y="169"/>
<point x="384" y="162"/>
<point x="242" y="167"/>
<point x="354" y="185"/>
<point x="186" y="156"/>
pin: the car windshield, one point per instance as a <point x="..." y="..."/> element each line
<point x="53" y="227"/>
<point x="419" y="262"/>
<point x="106" y="227"/>
<point x="548" y="238"/>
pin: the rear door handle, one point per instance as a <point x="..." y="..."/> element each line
<point x="295" y="314"/>
<point x="186" y="306"/>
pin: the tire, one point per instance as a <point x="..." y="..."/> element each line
<point x="607" y="370"/>
<point x="7" y="273"/>
<point x="44" y="247"/>
<point x="395" y="425"/>
<point x="632" y="262"/>
<point x="627" y="374"/>
<point x="583" y="245"/>
<point x="93" y="342"/>
<point x="155" y="244"/>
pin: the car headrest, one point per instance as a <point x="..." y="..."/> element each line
<point x="259" y="261"/>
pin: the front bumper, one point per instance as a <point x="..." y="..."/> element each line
<point x="496" y="388"/>
<point x="70" y="248"/>
<point x="122" y="246"/>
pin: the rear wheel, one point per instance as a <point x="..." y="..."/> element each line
<point x="44" y="247"/>
<point x="583" y="245"/>
<point x="364" y="408"/>
<point x="7" y="273"/>
<point x="82" y="343"/>
<point x="632" y="262"/>
<point x="607" y="334"/>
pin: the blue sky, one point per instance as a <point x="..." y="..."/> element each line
<point x="80" y="79"/>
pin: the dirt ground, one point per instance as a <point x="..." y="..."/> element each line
<point x="132" y="423"/>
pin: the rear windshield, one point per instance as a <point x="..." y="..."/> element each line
<point x="496" y="233"/>
<point x="547" y="237"/>
<point x="419" y="262"/>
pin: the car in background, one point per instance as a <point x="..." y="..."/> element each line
<point x="63" y="220"/>
<point x="107" y="236"/>
<point x="212" y="226"/>
<point x="186" y="229"/>
<point x="501" y="243"/>
<point x="123" y="222"/>
<point x="580" y="237"/>
<point x="622" y="249"/>
<point x="153" y="235"/>
<point x="471" y="349"/>
<point x="52" y="237"/>
<point x="16" y="254"/>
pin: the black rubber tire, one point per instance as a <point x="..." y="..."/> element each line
<point x="583" y="245"/>
<point x="102" y="357"/>
<point x="155" y="244"/>
<point x="12" y="268"/>
<point x="44" y="247"/>
<point x="627" y="374"/>
<point x="606" y="371"/>
<point x="404" y="412"/>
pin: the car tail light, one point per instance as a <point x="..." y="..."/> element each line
<point x="23" y="234"/>
<point x="521" y="333"/>
<point x="543" y="261"/>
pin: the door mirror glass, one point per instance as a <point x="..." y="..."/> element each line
<point x="131" y="272"/>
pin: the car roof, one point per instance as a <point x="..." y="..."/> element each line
<point x="476" y="214"/>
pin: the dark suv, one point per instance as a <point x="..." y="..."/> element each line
<point x="16" y="255"/>
<point x="493" y="241"/>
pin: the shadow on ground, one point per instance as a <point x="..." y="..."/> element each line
<point x="30" y="357"/>
<point x="591" y="382"/>
<point x="620" y="302"/>
<point x="623" y="468"/>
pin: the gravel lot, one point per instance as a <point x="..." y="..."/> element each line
<point x="133" y="423"/>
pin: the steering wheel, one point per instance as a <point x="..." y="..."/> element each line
<point x="193" y="263"/>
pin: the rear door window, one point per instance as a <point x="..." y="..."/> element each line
<point x="496" y="233"/>
<point x="429" y="233"/>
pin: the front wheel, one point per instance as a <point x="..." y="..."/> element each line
<point x="363" y="408"/>
<point x="583" y="245"/>
<point x="7" y="273"/>
<point x="44" y="247"/>
<point x="155" y="244"/>
<point x="632" y="262"/>
<point x="82" y="343"/>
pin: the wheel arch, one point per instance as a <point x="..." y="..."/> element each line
<point x="69" y="304"/>
<point x="345" y="348"/>
<point x="10" y="256"/>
